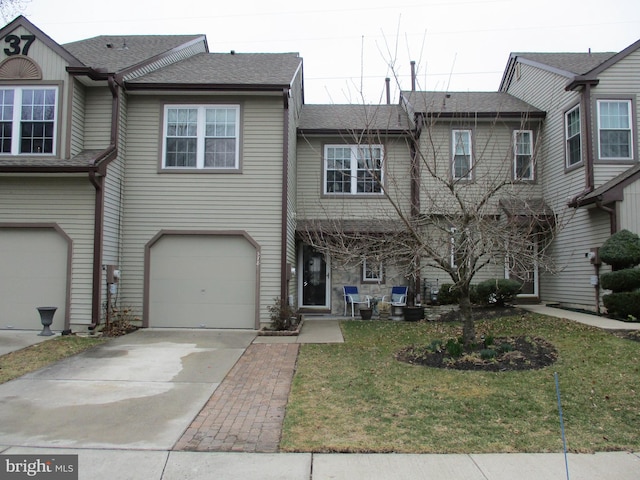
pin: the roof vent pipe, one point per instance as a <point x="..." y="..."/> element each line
<point x="387" y="82"/>
<point x="413" y="75"/>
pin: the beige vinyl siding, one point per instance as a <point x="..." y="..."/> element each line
<point x="581" y="229"/>
<point x="571" y="285"/>
<point x="492" y="163"/>
<point x="97" y="122"/>
<point x="312" y="204"/>
<point x="295" y="109"/>
<point x="78" y="102"/>
<point x="629" y="216"/>
<point x="249" y="201"/>
<point x="68" y="202"/>
<point x="114" y="191"/>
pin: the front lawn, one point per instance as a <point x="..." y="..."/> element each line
<point x="356" y="397"/>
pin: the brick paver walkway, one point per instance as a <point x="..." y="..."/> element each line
<point x="246" y="411"/>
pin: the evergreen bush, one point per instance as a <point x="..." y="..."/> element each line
<point x="621" y="250"/>
<point x="625" y="280"/>
<point x="498" y="291"/>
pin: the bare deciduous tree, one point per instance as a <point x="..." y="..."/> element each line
<point x="466" y="200"/>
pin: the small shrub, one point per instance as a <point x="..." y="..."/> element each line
<point x="446" y="296"/>
<point x="505" y="347"/>
<point x="621" y="250"/>
<point x="488" y="340"/>
<point x="499" y="291"/>
<point x="488" y="354"/>
<point x="435" y="346"/>
<point x="283" y="316"/>
<point x="455" y="348"/>
<point x="623" y="305"/>
<point x="625" y="280"/>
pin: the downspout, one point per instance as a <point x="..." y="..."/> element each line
<point x="97" y="175"/>
<point x="284" y="275"/>
<point x="613" y="217"/>
<point x="589" y="173"/>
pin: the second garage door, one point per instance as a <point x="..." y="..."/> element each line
<point x="198" y="281"/>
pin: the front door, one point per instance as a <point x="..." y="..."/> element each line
<point x="314" y="284"/>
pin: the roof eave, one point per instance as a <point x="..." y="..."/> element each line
<point x="580" y="81"/>
<point x="224" y="87"/>
<point x="351" y="131"/>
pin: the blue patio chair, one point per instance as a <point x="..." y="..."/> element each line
<point x="352" y="297"/>
<point x="398" y="297"/>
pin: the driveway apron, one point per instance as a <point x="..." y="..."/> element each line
<point x="140" y="391"/>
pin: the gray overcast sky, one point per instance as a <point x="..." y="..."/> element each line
<point x="348" y="46"/>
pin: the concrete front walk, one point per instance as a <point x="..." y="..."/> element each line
<point x="586" y="318"/>
<point x="138" y="391"/>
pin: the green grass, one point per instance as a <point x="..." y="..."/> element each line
<point x="355" y="397"/>
<point x="20" y="362"/>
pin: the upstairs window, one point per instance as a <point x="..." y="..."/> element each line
<point x="462" y="162"/>
<point x="614" y="130"/>
<point x="523" y="155"/>
<point x="573" y="140"/>
<point x="28" y="120"/>
<point x="201" y="137"/>
<point x="353" y="169"/>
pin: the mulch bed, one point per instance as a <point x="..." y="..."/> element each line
<point x="511" y="353"/>
<point x="524" y="353"/>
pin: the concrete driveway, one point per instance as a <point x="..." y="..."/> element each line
<point x="140" y="391"/>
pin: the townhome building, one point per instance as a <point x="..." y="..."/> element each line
<point x="146" y="172"/>
<point x="589" y="157"/>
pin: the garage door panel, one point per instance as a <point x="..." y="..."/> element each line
<point x="202" y="280"/>
<point x="33" y="274"/>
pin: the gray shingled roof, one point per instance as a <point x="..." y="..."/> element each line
<point x="82" y="160"/>
<point x="353" y="117"/>
<point x="125" y="50"/>
<point x="467" y="102"/>
<point x="228" y="69"/>
<point x="576" y="63"/>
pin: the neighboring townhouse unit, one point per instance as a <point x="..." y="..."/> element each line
<point x="151" y="158"/>
<point x="589" y="155"/>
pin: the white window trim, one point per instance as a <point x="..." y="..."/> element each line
<point x="353" y="167"/>
<point x="17" y="120"/>
<point x="567" y="138"/>
<point x="200" y="136"/>
<point x="532" y="175"/>
<point x="469" y="132"/>
<point x="377" y="279"/>
<point x="631" y="138"/>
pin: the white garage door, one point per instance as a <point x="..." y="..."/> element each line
<point x="33" y="274"/>
<point x="202" y="281"/>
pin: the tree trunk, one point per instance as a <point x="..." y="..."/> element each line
<point x="468" y="327"/>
